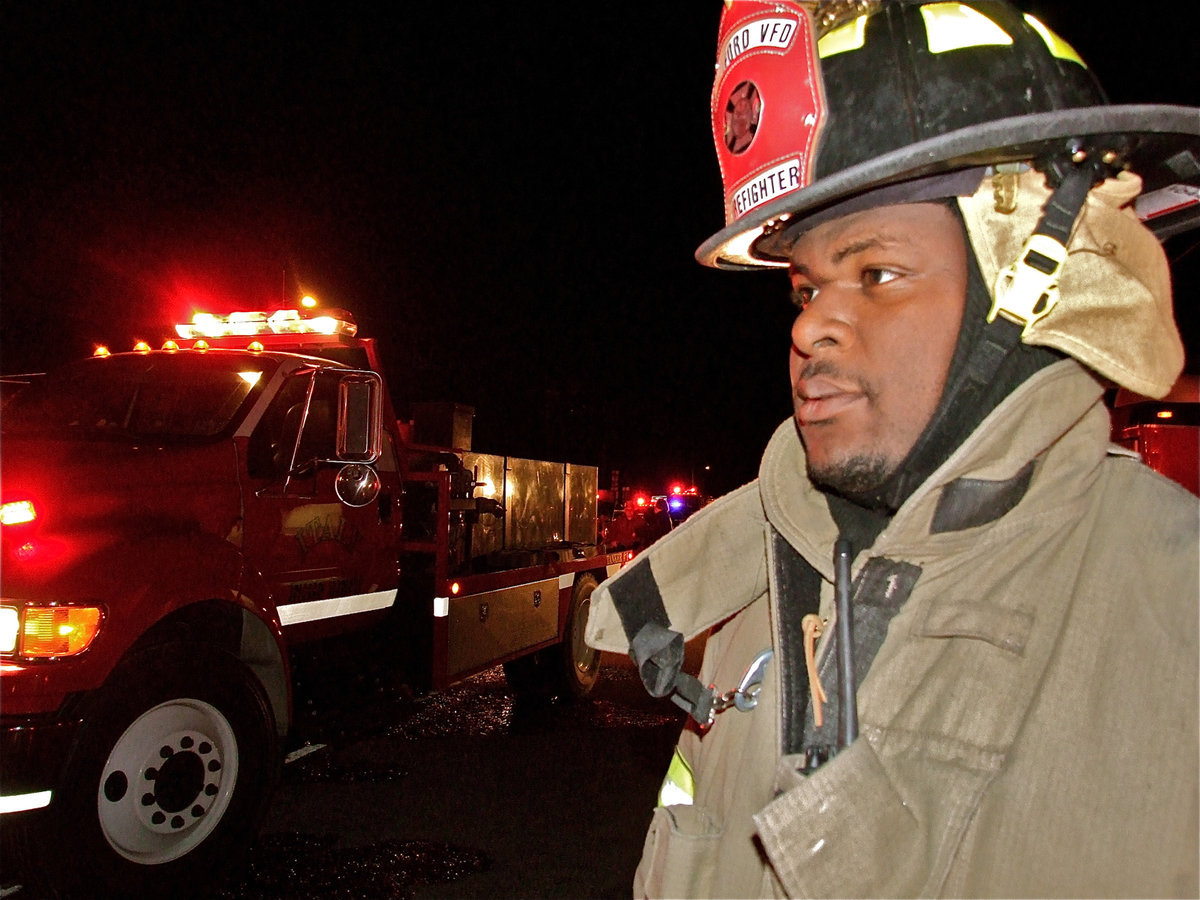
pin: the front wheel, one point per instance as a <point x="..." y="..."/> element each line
<point x="172" y="774"/>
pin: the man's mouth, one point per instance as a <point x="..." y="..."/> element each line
<point x="822" y="398"/>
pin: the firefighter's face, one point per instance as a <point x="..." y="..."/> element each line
<point x="881" y="296"/>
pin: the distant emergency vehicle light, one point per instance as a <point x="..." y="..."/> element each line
<point x="281" y="321"/>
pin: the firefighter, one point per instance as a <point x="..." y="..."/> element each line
<point x="620" y="534"/>
<point x="953" y="646"/>
<point x="657" y="521"/>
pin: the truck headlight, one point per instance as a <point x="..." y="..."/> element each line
<point x="10" y="624"/>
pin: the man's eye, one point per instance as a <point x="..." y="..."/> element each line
<point x="879" y="276"/>
<point x="802" y="296"/>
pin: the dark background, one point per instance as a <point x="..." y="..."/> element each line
<point x="506" y="195"/>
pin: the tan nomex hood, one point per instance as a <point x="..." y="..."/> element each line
<point x="1114" y="312"/>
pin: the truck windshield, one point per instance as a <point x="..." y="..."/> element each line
<point x="132" y="397"/>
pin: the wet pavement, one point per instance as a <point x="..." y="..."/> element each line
<point x="465" y="793"/>
<point x="459" y="794"/>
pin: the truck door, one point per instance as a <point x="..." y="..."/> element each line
<point x="328" y="564"/>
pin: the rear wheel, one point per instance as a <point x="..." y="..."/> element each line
<point x="581" y="663"/>
<point x="173" y="771"/>
<point x="566" y="670"/>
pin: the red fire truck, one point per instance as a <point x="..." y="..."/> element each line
<point x="178" y="522"/>
<point x="1166" y="432"/>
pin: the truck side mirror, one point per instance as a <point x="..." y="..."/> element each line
<point x="357" y="484"/>
<point x="359" y="425"/>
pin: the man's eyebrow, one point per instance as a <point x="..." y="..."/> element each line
<point x="877" y="241"/>
<point x="872" y="243"/>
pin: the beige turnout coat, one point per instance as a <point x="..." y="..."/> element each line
<point x="1029" y="724"/>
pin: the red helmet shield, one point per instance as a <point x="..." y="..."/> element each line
<point x="767" y="102"/>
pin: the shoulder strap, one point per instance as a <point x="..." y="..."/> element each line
<point x="657" y="649"/>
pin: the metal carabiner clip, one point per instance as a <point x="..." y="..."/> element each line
<point x="745" y="697"/>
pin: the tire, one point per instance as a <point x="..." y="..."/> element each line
<point x="580" y="663"/>
<point x="175" y="766"/>
<point x="567" y="670"/>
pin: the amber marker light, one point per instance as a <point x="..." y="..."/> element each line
<point x="1165" y="414"/>
<point x="50" y="631"/>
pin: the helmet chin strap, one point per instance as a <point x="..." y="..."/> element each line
<point x="1027" y="289"/>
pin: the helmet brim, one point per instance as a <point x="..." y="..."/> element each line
<point x="1165" y="150"/>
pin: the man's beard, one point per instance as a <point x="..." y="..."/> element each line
<point x="857" y="475"/>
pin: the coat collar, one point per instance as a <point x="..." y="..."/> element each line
<point x="1054" y="420"/>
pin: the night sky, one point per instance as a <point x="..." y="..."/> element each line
<point x="506" y="195"/>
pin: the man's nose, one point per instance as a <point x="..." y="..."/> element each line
<point x="825" y="323"/>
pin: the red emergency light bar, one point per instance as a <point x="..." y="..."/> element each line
<point x="256" y="323"/>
